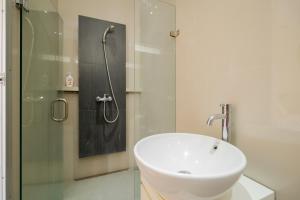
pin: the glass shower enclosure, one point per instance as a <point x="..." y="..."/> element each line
<point x="44" y="109"/>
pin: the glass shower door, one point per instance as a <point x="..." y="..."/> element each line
<point x="155" y="67"/>
<point x="42" y="109"/>
<point x="155" y="71"/>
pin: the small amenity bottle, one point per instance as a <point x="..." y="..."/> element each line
<point x="69" y="80"/>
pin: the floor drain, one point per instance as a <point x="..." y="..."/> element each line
<point x="184" y="172"/>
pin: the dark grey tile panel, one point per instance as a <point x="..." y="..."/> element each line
<point x="97" y="136"/>
<point x="88" y="136"/>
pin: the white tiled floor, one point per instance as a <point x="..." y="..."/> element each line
<point x="117" y="186"/>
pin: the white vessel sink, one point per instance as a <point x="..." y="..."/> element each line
<point x="183" y="166"/>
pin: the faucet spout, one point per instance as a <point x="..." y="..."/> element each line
<point x="225" y="117"/>
<point x="212" y="118"/>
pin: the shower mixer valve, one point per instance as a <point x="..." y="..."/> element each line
<point x="103" y="99"/>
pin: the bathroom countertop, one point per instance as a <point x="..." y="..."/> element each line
<point x="247" y="189"/>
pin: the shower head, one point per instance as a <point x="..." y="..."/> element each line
<point x="109" y="29"/>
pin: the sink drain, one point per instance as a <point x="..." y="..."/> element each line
<point x="184" y="172"/>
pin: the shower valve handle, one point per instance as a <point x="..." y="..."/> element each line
<point x="104" y="99"/>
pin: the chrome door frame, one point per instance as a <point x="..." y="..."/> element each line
<point x="3" y="99"/>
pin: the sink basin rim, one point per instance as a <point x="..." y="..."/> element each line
<point x="236" y="170"/>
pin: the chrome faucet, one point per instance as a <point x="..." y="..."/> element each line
<point x="225" y="116"/>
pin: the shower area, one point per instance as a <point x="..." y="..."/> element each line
<point x="96" y="77"/>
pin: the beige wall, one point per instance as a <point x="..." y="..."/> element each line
<point x="120" y="11"/>
<point x="245" y="53"/>
<point x="171" y="2"/>
<point x="48" y="5"/>
<point x="55" y="3"/>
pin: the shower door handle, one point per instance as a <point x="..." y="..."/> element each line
<point x="66" y="108"/>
